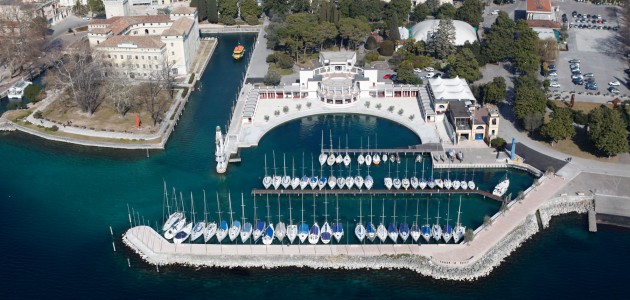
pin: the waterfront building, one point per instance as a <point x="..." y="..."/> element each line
<point x="138" y="45"/>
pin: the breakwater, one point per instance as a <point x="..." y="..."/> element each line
<point x="422" y="259"/>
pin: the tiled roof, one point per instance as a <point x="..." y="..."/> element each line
<point x="543" y="6"/>
<point x="481" y="116"/>
<point x="543" y="24"/>
<point x="100" y="30"/>
<point x="184" y="10"/>
<point x="151" y="41"/>
<point x="179" y="27"/>
<point x="119" y="24"/>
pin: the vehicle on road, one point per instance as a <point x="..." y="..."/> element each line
<point x="429" y="69"/>
<point x="613" y="90"/>
<point x="554" y="85"/>
<point x="590" y="75"/>
<point x="417" y="70"/>
<point x="429" y="75"/>
<point x="387" y="76"/>
<point x="574" y="61"/>
<point x="614" y="83"/>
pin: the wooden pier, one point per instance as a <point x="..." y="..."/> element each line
<point x="412" y="192"/>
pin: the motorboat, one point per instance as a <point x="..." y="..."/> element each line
<point x="239" y="52"/>
<point x="502" y="187"/>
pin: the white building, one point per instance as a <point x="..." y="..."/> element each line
<point x="139" y="45"/>
<point x="424" y="30"/>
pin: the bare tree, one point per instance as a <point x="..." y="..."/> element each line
<point x="154" y="100"/>
<point x="81" y="74"/>
<point x="120" y="91"/>
<point x="168" y="76"/>
<point x="548" y="49"/>
<point x="21" y="41"/>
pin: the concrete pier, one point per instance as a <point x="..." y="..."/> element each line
<point x="592" y="220"/>
<point x="375" y="192"/>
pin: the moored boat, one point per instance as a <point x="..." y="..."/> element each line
<point x="239" y="52"/>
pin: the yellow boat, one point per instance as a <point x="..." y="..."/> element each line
<point x="239" y="51"/>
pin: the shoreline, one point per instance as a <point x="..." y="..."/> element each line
<point x="468" y="270"/>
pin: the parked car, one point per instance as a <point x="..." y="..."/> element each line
<point x="552" y="73"/>
<point x="429" y="69"/>
<point x="429" y="75"/>
<point x="387" y="76"/>
<point x="614" y="83"/>
<point x="495" y="12"/>
<point x="613" y="90"/>
<point x="574" y="61"/>
<point x="590" y="75"/>
<point x="554" y="85"/>
<point x="394" y="77"/>
<point x="552" y="67"/>
<point x="417" y="70"/>
<point x="578" y="81"/>
<point x="576" y="76"/>
<point x="591" y="86"/>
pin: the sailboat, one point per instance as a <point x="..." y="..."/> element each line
<point x="235" y="228"/>
<point x="502" y="187"/>
<point x="396" y="182"/>
<point x="350" y="179"/>
<point x="339" y="158"/>
<point x="305" y="180"/>
<point x="326" y="230"/>
<point x="359" y="230"/>
<point x="368" y="156"/>
<point x="267" y="180"/>
<point x="456" y="184"/>
<point x="397" y="158"/>
<point x="392" y="157"/>
<point x="388" y="180"/>
<point x="414" y="180"/>
<point x="436" y="230"/>
<point x="222" y="229"/>
<point x="423" y="181"/>
<point x="292" y="230"/>
<point x="314" y="233"/>
<point x="337" y="228"/>
<point x="199" y="227"/>
<point x="322" y="180"/>
<point x="303" y="228"/>
<point x="438" y="182"/>
<point x="322" y="156"/>
<point x="376" y="159"/>
<point x="448" y="183"/>
<point x="464" y="183"/>
<point x="346" y="159"/>
<point x="471" y="182"/>
<point x="447" y="231"/>
<point x="392" y="228"/>
<point x="295" y="181"/>
<point x="369" y="181"/>
<point x="419" y="158"/>
<point x="281" y="229"/>
<point x="247" y="229"/>
<point x="286" y="180"/>
<point x="415" y="228"/>
<point x="459" y="231"/>
<point x="267" y="237"/>
<point x="313" y="181"/>
<point x="431" y="182"/>
<point x="332" y="180"/>
<point x="384" y="157"/>
<point x="358" y="180"/>
<point x="172" y="217"/>
<point x="211" y="228"/>
<point x="178" y="225"/>
<point x="370" y="229"/>
<point x="426" y="228"/>
<point x="185" y="232"/>
<point x="405" y="181"/>
<point x="360" y="158"/>
<point x="341" y="181"/>
<point x="331" y="157"/>
<point x="381" y="231"/>
<point x="259" y="225"/>
<point x="403" y="229"/>
<point x="276" y="179"/>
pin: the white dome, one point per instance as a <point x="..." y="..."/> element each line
<point x="463" y="31"/>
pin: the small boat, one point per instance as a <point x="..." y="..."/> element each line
<point x="369" y="182"/>
<point x="447" y="231"/>
<point x="384" y="157"/>
<point x="347" y="159"/>
<point x="436" y="157"/>
<point x="451" y="154"/>
<point x="359" y="230"/>
<point x="436" y="230"/>
<point x="358" y="180"/>
<point x="183" y="234"/>
<point x="238" y="52"/>
<point x="456" y="184"/>
<point x="405" y="181"/>
<point x="388" y="180"/>
<point x="414" y="180"/>
<point x="247" y="229"/>
<point x="460" y="156"/>
<point x="426" y="228"/>
<point x="222" y="229"/>
<point x="295" y="181"/>
<point x="332" y="180"/>
<point x="459" y="231"/>
<point x="286" y="180"/>
<point x="419" y="158"/>
<point x="235" y="228"/>
<point x="392" y="158"/>
<point x="392" y="228"/>
<point x="350" y="179"/>
<point x="331" y="157"/>
<point x="442" y="157"/>
<point x="415" y="228"/>
<point x="280" y="230"/>
<point x="268" y="234"/>
<point x="376" y="159"/>
<point x="381" y="231"/>
<point x="211" y="230"/>
<point x="326" y="229"/>
<point x="337" y="228"/>
<point x="370" y="229"/>
<point x="267" y="180"/>
<point x="314" y="234"/>
<point x="323" y="157"/>
<point x="502" y="187"/>
<point x="397" y="158"/>
<point x="396" y="182"/>
<point x="303" y="228"/>
<point x="471" y="182"/>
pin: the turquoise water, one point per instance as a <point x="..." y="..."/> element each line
<point x="59" y="201"/>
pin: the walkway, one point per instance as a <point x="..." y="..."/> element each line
<point x="375" y="192"/>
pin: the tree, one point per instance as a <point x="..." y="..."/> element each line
<point x="464" y="65"/>
<point x="228" y="8"/>
<point x="530" y="98"/>
<point x="420" y="12"/>
<point x="298" y="6"/>
<point x="442" y="43"/>
<point x="353" y="30"/>
<point x="487" y="221"/>
<point x="326" y="32"/>
<point x="477" y="51"/>
<point x="399" y="8"/>
<point x="394" y="34"/>
<point x="202" y="8"/>
<point x="432" y="5"/>
<point x="249" y="9"/>
<point x="121" y="94"/>
<point x="560" y="127"/>
<point x="328" y="13"/>
<point x="500" y="40"/>
<point x="272" y="78"/>
<point x="39" y="26"/>
<point x="387" y="48"/>
<point x="22" y="37"/>
<point x="96" y="7"/>
<point x="470" y="12"/>
<point x="370" y="43"/>
<point x="608" y="131"/>
<point x="446" y="11"/>
<point x="525" y="48"/>
<point x="155" y="101"/>
<point x="213" y="11"/>
<point x="548" y="49"/>
<point x="406" y="74"/>
<point x="278" y="6"/>
<point x="532" y="120"/>
<point x="495" y="91"/>
<point x="33" y="92"/>
<point x="469" y="236"/>
<point x="79" y="8"/>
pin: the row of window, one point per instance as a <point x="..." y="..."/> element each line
<point x="131" y="56"/>
<point x="144" y="66"/>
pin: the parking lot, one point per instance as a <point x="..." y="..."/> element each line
<point x="597" y="49"/>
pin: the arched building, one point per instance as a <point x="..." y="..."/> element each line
<point x="463" y="31"/>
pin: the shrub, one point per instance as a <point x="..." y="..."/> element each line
<point x="37" y="115"/>
<point x="412" y="117"/>
<point x="276" y="113"/>
<point x="54" y="128"/>
<point x="284" y="61"/>
<point x="378" y="106"/>
<point x="227" y="20"/>
<point x="251" y="20"/>
<point x="387" y="48"/>
<point x="367" y="104"/>
<point x="391" y="108"/>
<point x="372" y="56"/>
<point x="266" y="117"/>
<point x="401" y="111"/>
<point x="298" y="106"/>
<point x="370" y="43"/>
<point x="271" y="58"/>
<point x="487" y="221"/>
<point x="498" y="143"/>
<point x="308" y="104"/>
<point x="272" y="78"/>
<point x="11" y="106"/>
<point x="33" y="92"/>
<point x="550" y="170"/>
<point x="469" y="236"/>
<point x="285" y="109"/>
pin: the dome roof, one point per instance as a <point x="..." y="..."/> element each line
<point x="463" y="31"/>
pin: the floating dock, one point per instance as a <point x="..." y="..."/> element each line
<point x="412" y="192"/>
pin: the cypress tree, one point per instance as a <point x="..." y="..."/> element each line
<point x="213" y="11"/>
<point x="394" y="34"/>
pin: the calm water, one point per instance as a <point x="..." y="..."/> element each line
<point x="59" y="201"/>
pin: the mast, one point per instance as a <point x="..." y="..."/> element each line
<point x="231" y="213"/>
<point x="322" y="148"/>
<point x="312" y="167"/>
<point x="175" y="200"/>
<point x="290" y="212"/>
<point x="459" y="210"/>
<point x="368" y="150"/>
<point x="279" y="215"/>
<point x="192" y="208"/>
<point x="337" y="208"/>
<point x="326" y="207"/>
<point x="405" y="210"/>
<point x="242" y="209"/>
<point x="383" y="215"/>
<point x="371" y="215"/>
<point x="448" y="210"/>
<point x="165" y="201"/>
<point x="268" y="218"/>
<point x="437" y="217"/>
<point x="219" y="209"/>
<point x="314" y="221"/>
<point x="346" y="144"/>
<point x="255" y="218"/>
<point x="284" y="162"/>
<point x="360" y="211"/>
<point x="302" y="209"/>
<point x="205" y="211"/>
<point x="417" y="209"/>
<point x="427" y="219"/>
<point x="274" y="163"/>
<point x="303" y="169"/>
<point x="265" y="165"/>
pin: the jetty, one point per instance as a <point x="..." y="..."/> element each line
<point x="412" y="192"/>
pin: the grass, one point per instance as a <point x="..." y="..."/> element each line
<point x="280" y="71"/>
<point x="585" y="107"/>
<point x="581" y="146"/>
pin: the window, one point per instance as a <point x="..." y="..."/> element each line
<point x="153" y="30"/>
<point x="149" y="57"/>
<point x="128" y="56"/>
<point x="494" y="121"/>
<point x="135" y="32"/>
<point x="109" y="56"/>
<point x="142" y="56"/>
<point x="137" y="66"/>
<point x="115" y="56"/>
<point x="98" y="42"/>
<point x="155" y="57"/>
<point x="171" y="44"/>
<point x="146" y="31"/>
<point x="172" y="52"/>
<point x="144" y="66"/>
<point x="136" y="56"/>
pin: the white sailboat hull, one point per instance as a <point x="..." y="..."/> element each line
<point x="210" y="231"/>
<point x="292" y="233"/>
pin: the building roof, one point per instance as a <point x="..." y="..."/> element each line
<point x="338" y="57"/>
<point x="541" y="6"/>
<point x="463" y="31"/>
<point x="185" y="10"/>
<point x="481" y="116"/>
<point x="543" y="24"/>
<point x="100" y="30"/>
<point x="458" y="109"/>
<point x="451" y="89"/>
<point x="119" y="24"/>
<point x="179" y="27"/>
<point x="138" y="41"/>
